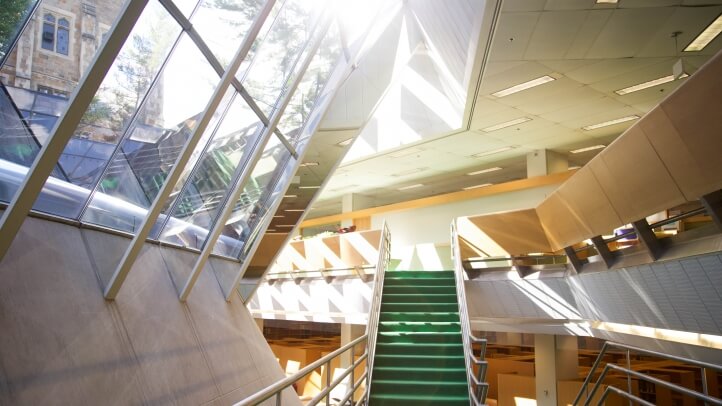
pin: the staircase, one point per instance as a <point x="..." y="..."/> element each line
<point x="419" y="357"/>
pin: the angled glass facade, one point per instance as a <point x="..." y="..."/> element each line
<point x="149" y="106"/>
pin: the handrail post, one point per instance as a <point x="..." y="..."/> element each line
<point x="704" y="383"/>
<point x="328" y="382"/>
<point x="629" y="377"/>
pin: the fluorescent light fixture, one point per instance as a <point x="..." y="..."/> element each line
<point x="411" y="186"/>
<point x="592" y="148"/>
<point x="344" y="142"/>
<point x="285" y="225"/>
<point x="571" y="168"/>
<point x="406" y="151"/>
<point x="506" y="124"/>
<point x="295" y="210"/>
<point x="409" y="172"/>
<point x="494" y="169"/>
<point x="523" y="86"/>
<point x="706" y="36"/>
<point x="607" y="1"/>
<point x="278" y="217"/>
<point x="309" y="187"/>
<point x="494" y="151"/>
<point x="610" y="122"/>
<point x="290" y="196"/>
<point x="478" y="186"/>
<point x="647" y="85"/>
<point x="268" y="230"/>
<point x="305" y="164"/>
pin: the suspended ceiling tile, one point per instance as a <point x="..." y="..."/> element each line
<point x="554" y="34"/>
<point x="512" y="77"/>
<point x="628" y="31"/>
<point x="524" y="5"/>
<point x="562" y="100"/>
<point x="512" y="35"/>
<point x="540" y="95"/>
<point x="594" y="23"/>
<point x="689" y="21"/>
<point x="566" y="65"/>
<point x="610" y="68"/>
<point x="583" y="110"/>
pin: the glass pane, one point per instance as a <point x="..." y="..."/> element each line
<point x="186" y="6"/>
<point x="156" y="138"/>
<point x="224" y="23"/>
<point x="29" y="66"/>
<point x="259" y="193"/>
<point x="304" y="99"/>
<point x="279" y="52"/>
<point x="220" y="165"/>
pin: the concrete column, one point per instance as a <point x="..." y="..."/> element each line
<point x="544" y="162"/>
<point x="555" y="358"/>
<point x="352" y="202"/>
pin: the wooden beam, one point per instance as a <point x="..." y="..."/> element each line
<point x="507" y="187"/>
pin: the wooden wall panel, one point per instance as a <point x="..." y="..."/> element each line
<point x="561" y="228"/>
<point x="695" y="110"/>
<point x="636" y="182"/>
<point x="517" y="232"/>
<point x="589" y="203"/>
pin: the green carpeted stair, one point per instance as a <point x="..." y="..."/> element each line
<point x="419" y="356"/>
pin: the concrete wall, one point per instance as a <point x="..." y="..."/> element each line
<point x="420" y="237"/>
<point x="62" y="343"/>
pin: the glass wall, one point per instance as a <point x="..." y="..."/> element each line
<point x="149" y="105"/>
<point x="13" y="15"/>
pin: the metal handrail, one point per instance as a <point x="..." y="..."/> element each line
<point x="280" y="274"/>
<point x="475" y="381"/>
<point x="277" y="388"/>
<point x="369" y="338"/>
<point x="375" y="310"/>
<point x="629" y="348"/>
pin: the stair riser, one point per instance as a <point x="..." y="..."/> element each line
<point x="418" y="298"/>
<point x="418" y="349"/>
<point x="449" y="290"/>
<point x="429" y="328"/>
<point x="419" y="275"/>
<point x="421" y="389"/>
<point x="446" y="283"/>
<point x="407" y="402"/>
<point x="421" y="338"/>
<point x="420" y="316"/>
<point x="420" y="362"/>
<point x="418" y="375"/>
<point x="419" y="307"/>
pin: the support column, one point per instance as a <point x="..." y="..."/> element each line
<point x="555" y="358"/>
<point x="351" y="202"/>
<point x="349" y="332"/>
<point x="544" y="162"/>
<point x="259" y="323"/>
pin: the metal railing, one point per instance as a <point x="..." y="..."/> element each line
<point x="369" y="338"/>
<point x="478" y="389"/>
<point x="588" y="396"/>
<point x="276" y="390"/>
<point x="359" y="271"/>
<point x="375" y="310"/>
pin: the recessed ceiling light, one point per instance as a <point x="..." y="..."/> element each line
<point x="309" y="187"/>
<point x="610" y="122"/>
<point x="278" y="217"/>
<point x="523" y="86"/>
<point x="305" y="164"/>
<point x="268" y="230"/>
<point x="344" y="142"/>
<point x="706" y="36"/>
<point x="494" y="169"/>
<point x="607" y="1"/>
<point x="409" y="172"/>
<point x="478" y="186"/>
<point x="290" y="196"/>
<point x="592" y="148"/>
<point x="647" y="85"/>
<point x="494" y="151"/>
<point x="285" y="225"/>
<point x="506" y="124"/>
<point x="406" y="151"/>
<point x="295" y="210"/>
<point x="411" y="186"/>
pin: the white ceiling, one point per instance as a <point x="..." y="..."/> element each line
<point x="590" y="49"/>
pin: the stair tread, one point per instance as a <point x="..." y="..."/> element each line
<point x="424" y="369"/>
<point x="392" y="396"/>
<point x="417" y="382"/>
<point x="430" y="356"/>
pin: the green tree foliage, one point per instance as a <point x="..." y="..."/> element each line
<point x="12" y="15"/>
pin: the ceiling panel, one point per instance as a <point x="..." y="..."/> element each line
<point x="628" y="31"/>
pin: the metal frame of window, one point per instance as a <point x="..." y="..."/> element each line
<point x="220" y="223"/>
<point x="46" y="159"/>
<point x="136" y="245"/>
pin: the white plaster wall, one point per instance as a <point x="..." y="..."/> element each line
<point x="415" y="232"/>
